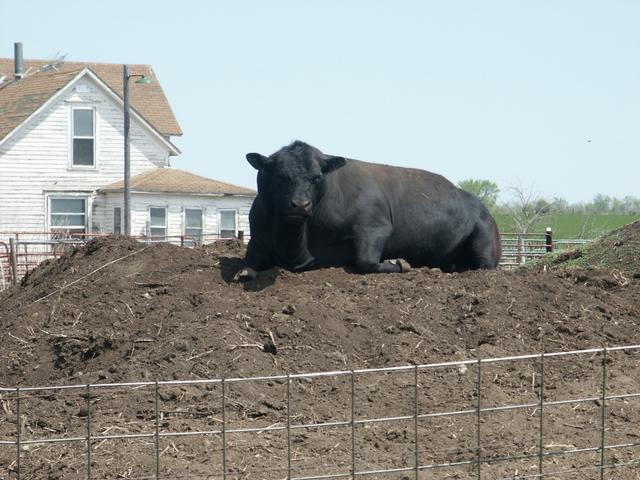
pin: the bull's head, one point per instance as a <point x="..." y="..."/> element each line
<point x="291" y="180"/>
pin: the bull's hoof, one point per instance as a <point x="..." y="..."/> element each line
<point x="245" y="275"/>
<point x="402" y="263"/>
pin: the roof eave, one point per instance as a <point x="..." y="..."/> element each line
<point x="173" y="150"/>
<point x="160" y="192"/>
<point x="41" y="108"/>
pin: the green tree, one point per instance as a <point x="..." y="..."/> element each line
<point x="600" y="204"/>
<point x="486" y="190"/>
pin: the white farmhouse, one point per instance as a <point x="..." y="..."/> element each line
<point x="62" y="157"/>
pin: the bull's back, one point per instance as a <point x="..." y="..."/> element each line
<point x="430" y="216"/>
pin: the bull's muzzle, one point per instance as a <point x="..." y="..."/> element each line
<point x="299" y="211"/>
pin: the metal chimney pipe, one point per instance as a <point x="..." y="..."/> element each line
<point x="19" y="63"/>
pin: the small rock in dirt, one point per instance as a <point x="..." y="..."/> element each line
<point x="181" y="346"/>
<point x="83" y="412"/>
<point x="269" y="348"/>
<point x="289" y="309"/>
<point x="337" y="356"/>
<point x="168" y="396"/>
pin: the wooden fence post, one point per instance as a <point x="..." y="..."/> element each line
<point x="13" y="253"/>
<point x="548" y="237"/>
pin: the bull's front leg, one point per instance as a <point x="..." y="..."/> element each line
<point x="369" y="245"/>
<point x="256" y="259"/>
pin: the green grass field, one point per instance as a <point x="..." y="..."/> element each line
<point x="571" y="225"/>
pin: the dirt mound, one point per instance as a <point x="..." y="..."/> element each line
<point x="617" y="250"/>
<point x="122" y="306"/>
<point x="116" y="310"/>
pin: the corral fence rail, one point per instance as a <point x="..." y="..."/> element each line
<point x="518" y="248"/>
<point x="538" y="454"/>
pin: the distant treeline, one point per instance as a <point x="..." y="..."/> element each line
<point x="600" y="205"/>
<point x="489" y="191"/>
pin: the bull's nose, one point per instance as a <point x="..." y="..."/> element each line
<point x="301" y="204"/>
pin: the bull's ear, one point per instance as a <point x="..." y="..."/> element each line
<point x="258" y="161"/>
<point x="329" y="163"/>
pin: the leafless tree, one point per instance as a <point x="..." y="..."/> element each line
<point x="526" y="208"/>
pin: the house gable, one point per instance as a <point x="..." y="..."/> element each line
<point x="35" y="158"/>
<point x="149" y="99"/>
<point x="19" y="102"/>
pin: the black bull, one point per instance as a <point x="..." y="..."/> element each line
<point x="317" y="210"/>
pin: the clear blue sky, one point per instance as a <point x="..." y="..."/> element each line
<point x="510" y="91"/>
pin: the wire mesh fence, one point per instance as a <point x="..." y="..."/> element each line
<point x="554" y="415"/>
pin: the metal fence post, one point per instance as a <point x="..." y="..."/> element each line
<point x="541" y="420"/>
<point x="603" y="411"/>
<point x="224" y="432"/>
<point x="157" y="439"/>
<point x="548" y="239"/>
<point x="288" y="427"/>
<point x="18" y="431"/>
<point x="88" y="431"/>
<point x="520" y="258"/>
<point x="13" y="259"/>
<point x="478" y="407"/>
<point x="353" y="426"/>
<point x="415" y="419"/>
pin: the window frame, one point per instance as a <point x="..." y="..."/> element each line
<point x="235" y="222"/>
<point x="158" y="238"/>
<point x="72" y="137"/>
<point x="199" y="238"/>
<point x="119" y="227"/>
<point x="54" y="229"/>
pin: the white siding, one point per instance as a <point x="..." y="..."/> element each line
<point x="36" y="161"/>
<point x="175" y="204"/>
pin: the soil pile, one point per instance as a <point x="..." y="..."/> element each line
<point x="618" y="250"/>
<point x="123" y="311"/>
<point x="116" y="310"/>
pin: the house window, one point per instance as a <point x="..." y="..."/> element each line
<point x="193" y="223"/>
<point x="117" y="220"/>
<point x="83" y="131"/>
<point x="227" y="223"/>
<point x="68" y="216"/>
<point x="158" y="223"/>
